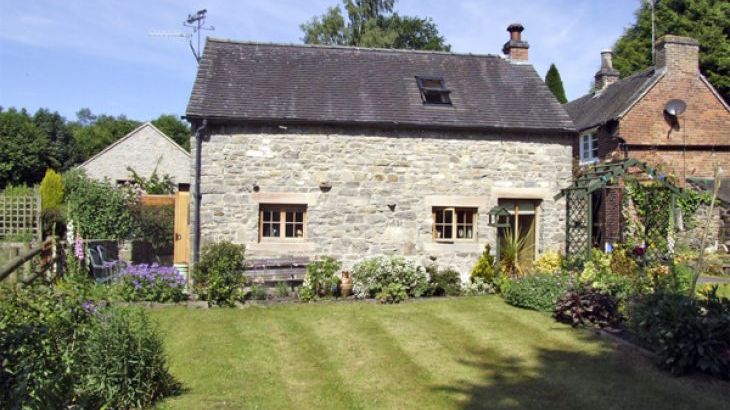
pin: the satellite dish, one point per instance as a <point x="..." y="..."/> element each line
<point x="675" y="107"/>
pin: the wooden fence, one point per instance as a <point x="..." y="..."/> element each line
<point x="48" y="257"/>
<point x="20" y="216"/>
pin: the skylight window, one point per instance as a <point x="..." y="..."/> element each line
<point x="433" y="90"/>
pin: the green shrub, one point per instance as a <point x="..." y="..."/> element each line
<point x="258" y="292"/>
<point x="477" y="287"/>
<point x="622" y="263"/>
<point x="17" y="190"/>
<point x="59" y="350"/>
<point x="446" y="282"/>
<point x="686" y="334"/>
<point x="587" y="305"/>
<point x="282" y="289"/>
<point x="485" y="267"/>
<point x="156" y="225"/>
<point x="372" y="276"/>
<point x="393" y="293"/>
<point x="548" y="262"/>
<point x="218" y="276"/>
<point x="538" y="292"/>
<point x="321" y="279"/>
<point x="37" y="328"/>
<point x="123" y="361"/>
<point x="99" y="210"/>
<point x="51" y="191"/>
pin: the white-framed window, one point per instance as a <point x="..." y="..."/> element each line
<point x="588" y="144"/>
<point x="282" y="222"/>
<point x="454" y="224"/>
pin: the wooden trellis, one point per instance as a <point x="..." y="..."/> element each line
<point x="20" y="216"/>
<point x="579" y="208"/>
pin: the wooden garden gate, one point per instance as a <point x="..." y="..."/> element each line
<point x="181" y="249"/>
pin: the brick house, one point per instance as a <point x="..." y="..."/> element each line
<point x="630" y="115"/>
<point x="667" y="115"/>
<point x="354" y="152"/>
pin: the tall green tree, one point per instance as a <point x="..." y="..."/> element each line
<point x="63" y="153"/>
<point x="555" y="83"/>
<point x="708" y="21"/>
<point x="174" y="128"/>
<point x="372" y="23"/>
<point x="23" y="149"/>
<point x="94" y="133"/>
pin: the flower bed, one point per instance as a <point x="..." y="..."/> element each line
<point x="153" y="283"/>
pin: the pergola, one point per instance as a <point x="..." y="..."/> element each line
<point x="580" y="207"/>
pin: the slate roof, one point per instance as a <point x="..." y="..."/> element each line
<point x="598" y="108"/>
<point x="276" y="83"/>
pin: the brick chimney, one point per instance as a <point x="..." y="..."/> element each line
<point x="607" y="75"/>
<point x="515" y="48"/>
<point x="678" y="54"/>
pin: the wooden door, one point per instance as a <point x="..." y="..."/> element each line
<point x="182" y="228"/>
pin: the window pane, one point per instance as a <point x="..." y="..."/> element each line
<point x="299" y="230"/>
<point x="274" y="230"/>
<point x="266" y="230"/>
<point x="267" y="216"/>
<point x="469" y="232"/>
<point x="299" y="216"/>
<point x="289" y="216"/>
<point x="448" y="217"/>
<point x="439" y="216"/>
<point x="447" y="232"/>
<point x="460" y="217"/>
<point x="289" y="230"/>
<point x="469" y="217"/>
<point x="439" y="231"/>
<point x="275" y="216"/>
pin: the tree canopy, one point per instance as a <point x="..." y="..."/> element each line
<point x="24" y="149"/>
<point x="707" y="21"/>
<point x="555" y="83"/>
<point x="174" y="128"/>
<point x="372" y="23"/>
<point x="46" y="140"/>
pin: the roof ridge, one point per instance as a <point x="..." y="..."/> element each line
<point x="339" y="47"/>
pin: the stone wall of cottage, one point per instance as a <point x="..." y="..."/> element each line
<point x="144" y="152"/>
<point x="383" y="185"/>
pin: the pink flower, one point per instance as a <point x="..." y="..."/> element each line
<point x="79" y="248"/>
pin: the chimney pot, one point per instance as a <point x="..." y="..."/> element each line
<point x="515" y="31"/>
<point x="516" y="48"/>
<point x="607" y="75"/>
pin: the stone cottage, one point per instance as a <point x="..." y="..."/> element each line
<point x="668" y="115"/>
<point x="354" y="152"/>
<point x="144" y="149"/>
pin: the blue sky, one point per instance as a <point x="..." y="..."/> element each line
<point x="65" y="55"/>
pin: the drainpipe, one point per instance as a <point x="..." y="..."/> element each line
<point x="195" y="239"/>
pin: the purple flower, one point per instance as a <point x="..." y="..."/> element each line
<point x="89" y="307"/>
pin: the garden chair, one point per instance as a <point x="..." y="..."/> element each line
<point x="116" y="264"/>
<point x="102" y="272"/>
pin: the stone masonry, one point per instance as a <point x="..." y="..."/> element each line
<point x="383" y="185"/>
<point x="144" y="149"/>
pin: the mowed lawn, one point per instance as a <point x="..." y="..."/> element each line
<point x="470" y="352"/>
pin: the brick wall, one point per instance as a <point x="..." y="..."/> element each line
<point x="705" y="122"/>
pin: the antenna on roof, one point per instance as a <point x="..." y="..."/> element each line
<point x="197" y="22"/>
<point x="652" y="4"/>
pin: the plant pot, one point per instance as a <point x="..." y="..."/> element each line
<point x="346" y="284"/>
